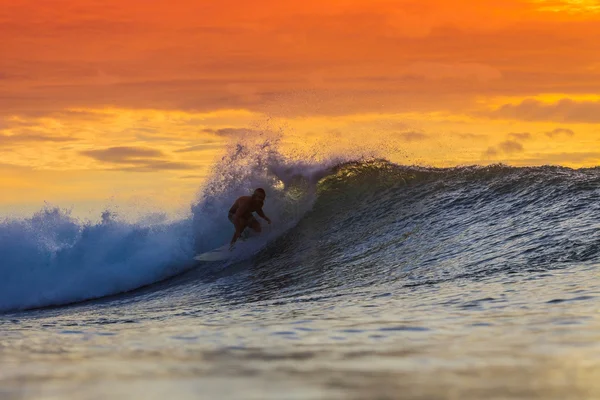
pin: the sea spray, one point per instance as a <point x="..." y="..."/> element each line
<point x="53" y="258"/>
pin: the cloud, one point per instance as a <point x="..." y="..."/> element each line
<point x="435" y="70"/>
<point x="491" y="152"/>
<point x="565" y="110"/>
<point x="413" y="136"/>
<point x="511" y="147"/>
<point x="517" y="136"/>
<point x="562" y="158"/>
<point x="200" y="147"/>
<point x="14" y="76"/>
<point x="153" y="166"/>
<point x="522" y="136"/>
<point x="140" y="159"/>
<point x="14" y="167"/>
<point x="79" y="115"/>
<point x="192" y="177"/>
<point x="471" y="136"/>
<point x="570" y="6"/>
<point x="230" y="131"/>
<point x="7" y="140"/>
<point x="94" y="54"/>
<point x="124" y="155"/>
<point x="506" y="147"/>
<point x="559" y="131"/>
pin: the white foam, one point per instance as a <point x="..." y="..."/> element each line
<point x="52" y="258"/>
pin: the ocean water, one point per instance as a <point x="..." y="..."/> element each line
<point x="376" y="281"/>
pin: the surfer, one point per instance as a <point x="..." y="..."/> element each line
<point x="240" y="214"/>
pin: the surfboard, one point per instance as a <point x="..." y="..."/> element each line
<point x="224" y="252"/>
<point x="219" y="254"/>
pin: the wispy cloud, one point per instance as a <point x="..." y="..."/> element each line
<point x="87" y="54"/>
<point x="471" y="136"/>
<point x="124" y="155"/>
<point x="435" y="70"/>
<point x="136" y="159"/>
<point x="569" y="6"/>
<point x="560" y="131"/>
<point x="7" y="140"/>
<point x="153" y="166"/>
<point x="413" y="136"/>
<point x="565" y="110"/>
<point x="231" y="131"/>
<point x="195" y="177"/>
<point x="519" y="136"/>
<point x="562" y="158"/>
<point x="200" y="147"/>
<point x="507" y="147"/>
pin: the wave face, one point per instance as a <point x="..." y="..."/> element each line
<point x="338" y="226"/>
<point x="377" y="224"/>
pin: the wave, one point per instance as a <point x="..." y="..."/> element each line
<point x="52" y="258"/>
<point x="339" y="223"/>
<point x="377" y="223"/>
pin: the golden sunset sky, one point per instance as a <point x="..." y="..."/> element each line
<point x="137" y="99"/>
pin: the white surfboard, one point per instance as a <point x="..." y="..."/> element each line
<point x="242" y="247"/>
<point x="222" y="253"/>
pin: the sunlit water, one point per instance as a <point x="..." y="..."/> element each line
<point x="516" y="337"/>
<point x="396" y="283"/>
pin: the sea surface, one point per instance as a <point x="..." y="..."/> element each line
<point x="375" y="281"/>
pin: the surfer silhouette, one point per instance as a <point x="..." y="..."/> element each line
<point x="240" y="213"/>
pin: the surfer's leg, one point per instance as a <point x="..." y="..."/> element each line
<point x="254" y="224"/>
<point x="243" y="223"/>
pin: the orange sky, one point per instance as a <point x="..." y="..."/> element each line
<point x="105" y="98"/>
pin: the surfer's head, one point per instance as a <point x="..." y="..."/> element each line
<point x="259" y="195"/>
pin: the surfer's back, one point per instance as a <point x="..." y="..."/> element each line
<point x="243" y="200"/>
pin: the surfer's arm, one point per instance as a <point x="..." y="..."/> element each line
<point x="263" y="216"/>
